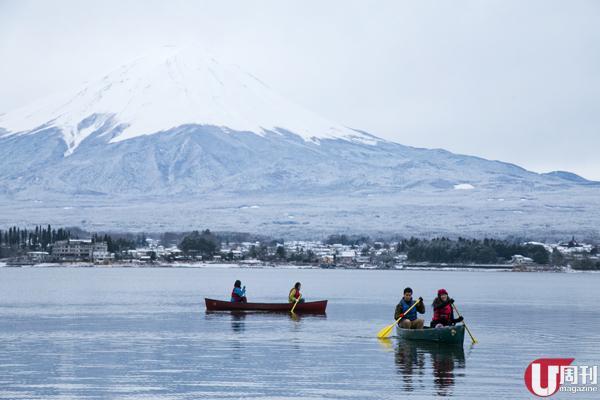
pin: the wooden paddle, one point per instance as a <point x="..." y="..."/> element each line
<point x="296" y="303"/>
<point x="385" y="332"/>
<point x="465" y="324"/>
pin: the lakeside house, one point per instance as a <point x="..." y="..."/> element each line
<point x="38" y="256"/>
<point x="518" y="259"/>
<point x="346" y="257"/>
<point x="327" y="259"/>
<point x="80" y="250"/>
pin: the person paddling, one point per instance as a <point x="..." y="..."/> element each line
<point x="443" y="315"/>
<point x="410" y="320"/>
<point x="238" y="294"/>
<point x="295" y="294"/>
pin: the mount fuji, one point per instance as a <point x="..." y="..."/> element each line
<point x="177" y="140"/>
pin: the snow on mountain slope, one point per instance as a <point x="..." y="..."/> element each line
<point x="173" y="88"/>
<point x="177" y="140"/>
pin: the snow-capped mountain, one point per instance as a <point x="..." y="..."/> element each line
<point x="160" y="141"/>
<point x="162" y="91"/>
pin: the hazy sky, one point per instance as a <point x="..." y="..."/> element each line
<point x="517" y="81"/>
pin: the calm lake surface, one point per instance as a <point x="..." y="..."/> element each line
<point x="100" y="333"/>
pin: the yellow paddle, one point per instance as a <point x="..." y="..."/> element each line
<point x="296" y="303"/>
<point x="385" y="332"/>
<point x="465" y="324"/>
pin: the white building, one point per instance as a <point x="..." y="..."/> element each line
<point x="80" y="250"/>
<point x="518" y="259"/>
<point x="346" y="256"/>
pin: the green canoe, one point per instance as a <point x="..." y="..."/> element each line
<point x="447" y="334"/>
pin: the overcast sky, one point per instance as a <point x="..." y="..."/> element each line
<point x="517" y="81"/>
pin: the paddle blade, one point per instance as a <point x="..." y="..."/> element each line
<point x="473" y="340"/>
<point x="385" y="332"/>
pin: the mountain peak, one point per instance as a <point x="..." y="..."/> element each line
<point x="170" y="88"/>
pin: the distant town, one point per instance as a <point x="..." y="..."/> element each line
<point x="46" y="246"/>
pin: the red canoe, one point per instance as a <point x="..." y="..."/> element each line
<point x="310" y="307"/>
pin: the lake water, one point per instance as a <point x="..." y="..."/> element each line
<point x="100" y="333"/>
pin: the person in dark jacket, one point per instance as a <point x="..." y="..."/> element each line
<point x="238" y="294"/>
<point x="443" y="315"/>
<point x="410" y="320"/>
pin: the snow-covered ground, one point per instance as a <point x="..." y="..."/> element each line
<point x="464" y="186"/>
<point x="458" y="213"/>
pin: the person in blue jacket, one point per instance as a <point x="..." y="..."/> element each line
<point x="410" y="320"/>
<point x="238" y="294"/>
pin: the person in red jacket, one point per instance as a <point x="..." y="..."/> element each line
<point x="442" y="310"/>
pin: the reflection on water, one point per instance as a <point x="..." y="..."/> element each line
<point x="238" y="317"/>
<point x="415" y="359"/>
<point x="237" y="322"/>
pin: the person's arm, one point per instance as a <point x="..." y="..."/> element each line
<point x="292" y="296"/>
<point x="398" y="311"/>
<point x="454" y="320"/>
<point x="421" y="306"/>
<point x="442" y="304"/>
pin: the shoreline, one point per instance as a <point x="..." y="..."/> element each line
<point x="405" y="267"/>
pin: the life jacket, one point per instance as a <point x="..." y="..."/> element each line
<point x="295" y="296"/>
<point x="412" y="314"/>
<point x="235" y="298"/>
<point x="443" y="313"/>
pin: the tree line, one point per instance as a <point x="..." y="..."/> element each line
<point x="208" y="244"/>
<point x="16" y="241"/>
<point x="38" y="238"/>
<point x="119" y="243"/>
<point x="437" y="250"/>
<point x="486" y="251"/>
